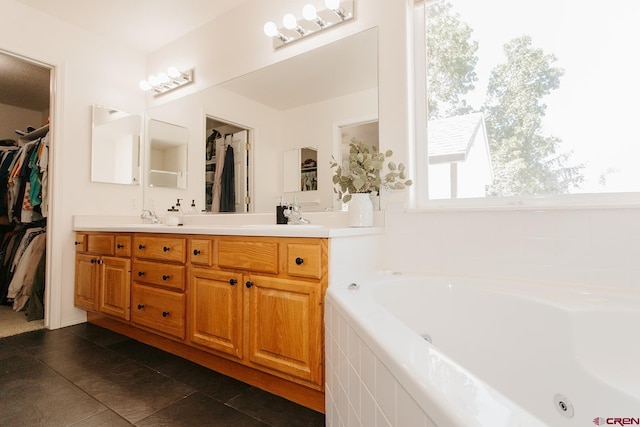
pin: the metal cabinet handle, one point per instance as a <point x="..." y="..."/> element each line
<point x="196" y="251"/>
<point x="248" y="284"/>
<point x="299" y="261"/>
<point x="165" y="277"/>
<point x="99" y="262"/>
<point x="165" y="313"/>
<point x="77" y="243"/>
<point x="140" y="306"/>
<point x="140" y="246"/>
<point x="166" y="249"/>
<point x="93" y="261"/>
<point x="140" y="273"/>
<point x="120" y="246"/>
<point x="232" y="282"/>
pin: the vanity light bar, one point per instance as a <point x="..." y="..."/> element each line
<point x="164" y="82"/>
<point x="312" y="21"/>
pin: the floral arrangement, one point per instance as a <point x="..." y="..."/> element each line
<point x="362" y="172"/>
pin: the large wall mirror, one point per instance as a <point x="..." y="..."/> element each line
<point x="294" y="106"/>
<point x="115" y="146"/>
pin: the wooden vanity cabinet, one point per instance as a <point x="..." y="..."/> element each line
<point x="250" y="307"/>
<point x="158" y="298"/>
<point x="260" y="301"/>
<point x="103" y="279"/>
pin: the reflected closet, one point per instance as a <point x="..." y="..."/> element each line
<point x="227" y="163"/>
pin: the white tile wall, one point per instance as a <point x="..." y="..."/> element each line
<point x="360" y="390"/>
<point x="597" y="247"/>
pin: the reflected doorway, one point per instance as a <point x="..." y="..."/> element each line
<point x="227" y="170"/>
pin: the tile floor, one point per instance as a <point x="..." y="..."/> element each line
<point x="85" y="375"/>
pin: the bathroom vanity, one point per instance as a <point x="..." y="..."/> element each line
<point x="246" y="301"/>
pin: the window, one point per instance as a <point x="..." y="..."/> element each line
<point x="528" y="98"/>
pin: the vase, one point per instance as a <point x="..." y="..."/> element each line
<point x="360" y="210"/>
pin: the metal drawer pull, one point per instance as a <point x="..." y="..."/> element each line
<point x="166" y="248"/>
<point x="140" y="273"/>
<point x="120" y="246"/>
<point x="165" y="277"/>
<point x="140" y="306"/>
<point x="299" y="260"/>
<point x="140" y="246"/>
<point x="248" y="284"/>
<point x="232" y="282"/>
<point x="93" y="261"/>
<point x="165" y="313"/>
<point x="196" y="251"/>
<point x="77" y="243"/>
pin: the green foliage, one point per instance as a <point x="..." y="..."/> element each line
<point x="525" y="161"/>
<point x="451" y="62"/>
<point x="362" y="172"/>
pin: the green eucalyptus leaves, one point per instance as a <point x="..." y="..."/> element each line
<point x="361" y="172"/>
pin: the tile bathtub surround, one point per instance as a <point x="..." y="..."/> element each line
<point x="596" y="247"/>
<point x="85" y="375"/>
<point x="361" y="391"/>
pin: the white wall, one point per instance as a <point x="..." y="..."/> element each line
<point x="12" y="118"/>
<point x="87" y="71"/>
<point x="590" y="246"/>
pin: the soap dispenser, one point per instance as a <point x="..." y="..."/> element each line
<point x="173" y="216"/>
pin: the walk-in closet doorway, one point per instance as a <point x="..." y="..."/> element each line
<point x="26" y="103"/>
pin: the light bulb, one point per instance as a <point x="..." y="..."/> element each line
<point x="144" y="85"/>
<point x="153" y="80"/>
<point x="309" y="12"/>
<point x="173" y="72"/>
<point x="332" y="4"/>
<point x="289" y="21"/>
<point x="270" y="29"/>
<point x="163" y="78"/>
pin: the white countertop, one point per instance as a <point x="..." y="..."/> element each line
<point x="207" y="224"/>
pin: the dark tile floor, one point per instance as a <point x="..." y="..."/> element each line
<point x="85" y="375"/>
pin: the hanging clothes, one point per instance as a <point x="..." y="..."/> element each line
<point x="217" y="180"/>
<point x="228" y="183"/>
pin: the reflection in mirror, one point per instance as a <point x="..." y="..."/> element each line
<point x="365" y="132"/>
<point x="167" y="155"/>
<point x="115" y="146"/>
<point x="226" y="167"/>
<point x="295" y="103"/>
<point x="300" y="169"/>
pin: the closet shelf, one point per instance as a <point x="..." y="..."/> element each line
<point x="38" y="133"/>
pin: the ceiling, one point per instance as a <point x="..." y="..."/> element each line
<point x="146" y="25"/>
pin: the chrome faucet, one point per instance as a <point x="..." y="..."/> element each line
<point x="150" y="216"/>
<point x="294" y="214"/>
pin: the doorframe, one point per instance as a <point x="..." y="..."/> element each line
<point x="52" y="288"/>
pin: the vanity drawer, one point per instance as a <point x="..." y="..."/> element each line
<point x="159" y="309"/>
<point x="166" y="275"/>
<point x="304" y="260"/>
<point x="123" y="245"/>
<point x="201" y="252"/>
<point x="167" y="248"/>
<point x="244" y="254"/>
<point x="102" y="244"/>
<point x="81" y="242"/>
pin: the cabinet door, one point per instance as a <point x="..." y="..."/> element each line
<point x="86" y="289"/>
<point x="115" y="286"/>
<point x="285" y="326"/>
<point x="216" y="310"/>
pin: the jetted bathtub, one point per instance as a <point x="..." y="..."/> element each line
<point x="446" y="351"/>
